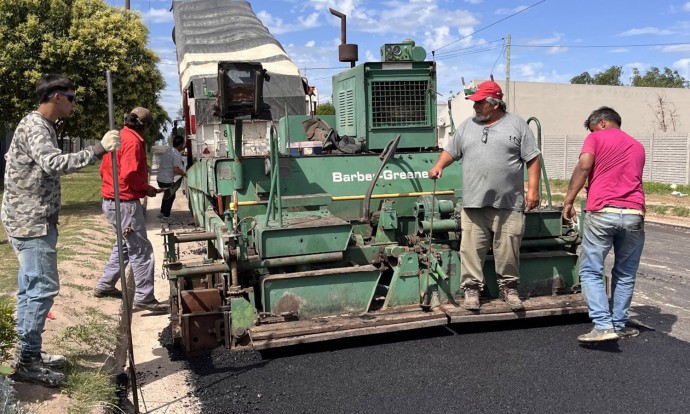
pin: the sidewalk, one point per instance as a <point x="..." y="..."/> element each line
<point x="163" y="384"/>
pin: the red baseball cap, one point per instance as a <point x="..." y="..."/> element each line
<point x="488" y="89"/>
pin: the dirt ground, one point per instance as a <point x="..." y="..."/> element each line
<point x="163" y="385"/>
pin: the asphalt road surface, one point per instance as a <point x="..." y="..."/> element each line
<point x="529" y="366"/>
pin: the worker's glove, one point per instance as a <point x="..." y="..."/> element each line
<point x="111" y="140"/>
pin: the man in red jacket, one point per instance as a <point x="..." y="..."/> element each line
<point x="133" y="185"/>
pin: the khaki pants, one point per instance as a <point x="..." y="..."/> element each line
<point x="486" y="227"/>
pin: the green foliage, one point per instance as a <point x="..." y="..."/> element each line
<point x="325" y="108"/>
<point x="611" y="76"/>
<point x="680" y="211"/>
<point x="582" y="79"/>
<point x="80" y="39"/>
<point x="8" y="333"/>
<point x="655" y="78"/>
<point x="663" y="188"/>
<point x="89" y="390"/>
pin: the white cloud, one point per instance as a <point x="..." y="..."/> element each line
<point x="675" y="48"/>
<point x="157" y="16"/>
<point x="619" y="50"/>
<point x="514" y="10"/>
<point x="646" y="31"/>
<point x="686" y="7"/>
<point x="310" y="43"/>
<point x="474" y="1"/>
<point x="683" y="67"/>
<point x="555" y="50"/>
<point x="545" y="41"/>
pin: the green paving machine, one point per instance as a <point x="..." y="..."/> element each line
<point x="334" y="229"/>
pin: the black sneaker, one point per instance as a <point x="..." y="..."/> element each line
<point x="109" y="293"/>
<point x="32" y="369"/>
<point x="52" y="361"/>
<point x="151" y="306"/>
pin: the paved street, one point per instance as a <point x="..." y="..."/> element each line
<point x="514" y="367"/>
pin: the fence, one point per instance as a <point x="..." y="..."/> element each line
<point x="667" y="156"/>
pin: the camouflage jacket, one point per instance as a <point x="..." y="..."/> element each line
<point x="34" y="164"/>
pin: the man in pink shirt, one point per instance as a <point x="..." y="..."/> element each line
<point x="612" y="161"/>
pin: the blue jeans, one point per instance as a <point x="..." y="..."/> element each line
<point x="625" y="233"/>
<point x="38" y="285"/>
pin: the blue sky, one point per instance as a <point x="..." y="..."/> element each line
<point x="551" y="40"/>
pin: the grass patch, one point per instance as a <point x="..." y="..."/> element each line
<point x="657" y="209"/>
<point x="96" y="335"/>
<point x="88" y="387"/>
<point x="89" y="390"/>
<point x="663" y="189"/>
<point x="9" y="266"/>
<point x="681" y="211"/>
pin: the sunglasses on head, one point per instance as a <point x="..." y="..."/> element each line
<point x="70" y="97"/>
<point x="485" y="135"/>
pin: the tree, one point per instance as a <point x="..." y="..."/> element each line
<point x="611" y="76"/>
<point x="582" y="79"/>
<point x="655" y="78"/>
<point x="80" y="39"/>
<point x="325" y="108"/>
<point x="666" y="116"/>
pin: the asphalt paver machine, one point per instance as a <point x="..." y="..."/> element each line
<point x="323" y="227"/>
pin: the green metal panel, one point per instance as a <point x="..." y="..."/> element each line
<point x="542" y="273"/>
<point x="377" y="100"/>
<point x="543" y="223"/>
<point x="343" y="176"/>
<point x="405" y="284"/>
<point x="320" y="292"/>
<point x="302" y="233"/>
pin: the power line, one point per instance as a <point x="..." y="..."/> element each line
<point x="492" y="24"/>
<point x="606" y="46"/>
<point x="477" y="46"/>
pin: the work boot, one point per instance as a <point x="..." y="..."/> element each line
<point x="52" y="361"/>
<point x="627" y="332"/>
<point x="153" y="306"/>
<point x="510" y="296"/>
<point x="598" y="335"/>
<point x="31" y="369"/>
<point x="108" y="293"/>
<point x="472" y="299"/>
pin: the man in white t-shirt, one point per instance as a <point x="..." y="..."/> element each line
<point x="171" y="164"/>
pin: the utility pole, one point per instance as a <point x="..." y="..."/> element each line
<point x="126" y="4"/>
<point x="507" y="70"/>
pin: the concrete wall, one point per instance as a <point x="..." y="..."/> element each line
<point x="562" y="109"/>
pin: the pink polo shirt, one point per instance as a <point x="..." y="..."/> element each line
<point x="616" y="177"/>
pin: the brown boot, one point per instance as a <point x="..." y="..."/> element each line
<point x="472" y="299"/>
<point x="510" y="296"/>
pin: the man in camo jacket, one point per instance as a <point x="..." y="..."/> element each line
<point x="29" y="213"/>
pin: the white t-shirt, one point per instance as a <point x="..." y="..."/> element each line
<point x="170" y="158"/>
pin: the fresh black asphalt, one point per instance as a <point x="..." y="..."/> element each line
<point x="530" y="366"/>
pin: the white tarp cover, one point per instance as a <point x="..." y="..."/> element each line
<point x="209" y="31"/>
